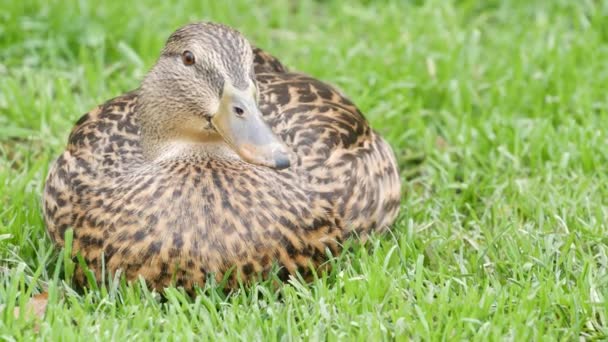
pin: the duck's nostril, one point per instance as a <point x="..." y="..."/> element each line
<point x="238" y="111"/>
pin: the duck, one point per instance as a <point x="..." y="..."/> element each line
<point x="222" y="165"/>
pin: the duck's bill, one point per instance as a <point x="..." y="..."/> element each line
<point x="248" y="134"/>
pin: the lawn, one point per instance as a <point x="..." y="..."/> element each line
<point x="497" y="110"/>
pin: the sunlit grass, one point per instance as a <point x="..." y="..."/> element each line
<point x="503" y="228"/>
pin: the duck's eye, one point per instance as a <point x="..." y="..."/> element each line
<point x="188" y="58"/>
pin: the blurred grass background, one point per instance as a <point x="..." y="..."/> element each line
<point x="503" y="227"/>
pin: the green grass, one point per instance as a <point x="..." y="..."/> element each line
<point x="502" y="233"/>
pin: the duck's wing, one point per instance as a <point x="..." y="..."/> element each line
<point x="263" y="62"/>
<point x="108" y="130"/>
<point x="337" y="152"/>
<point x="100" y="147"/>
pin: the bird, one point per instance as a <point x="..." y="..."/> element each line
<point x="222" y="165"/>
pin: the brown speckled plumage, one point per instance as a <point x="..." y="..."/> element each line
<point x="181" y="218"/>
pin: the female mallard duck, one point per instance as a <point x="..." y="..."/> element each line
<point x="222" y="161"/>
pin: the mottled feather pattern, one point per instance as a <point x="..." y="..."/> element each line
<point x="180" y="221"/>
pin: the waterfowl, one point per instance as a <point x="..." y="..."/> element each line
<point x="222" y="163"/>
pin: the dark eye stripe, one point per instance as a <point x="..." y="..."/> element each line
<point x="171" y="54"/>
<point x="212" y="76"/>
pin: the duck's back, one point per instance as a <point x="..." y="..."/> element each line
<point x="182" y="219"/>
<point x="338" y="154"/>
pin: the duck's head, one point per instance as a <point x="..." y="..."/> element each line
<point x="202" y="89"/>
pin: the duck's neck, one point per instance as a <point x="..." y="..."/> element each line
<point x="165" y="134"/>
<point x="180" y="150"/>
